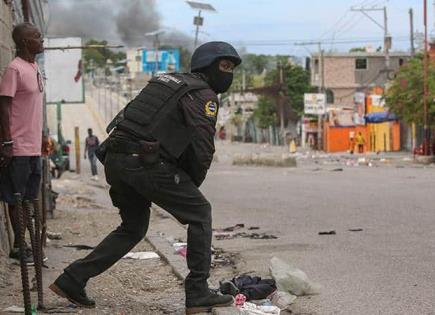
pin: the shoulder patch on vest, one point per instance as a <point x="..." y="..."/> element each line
<point x="211" y="109"/>
<point x="167" y="78"/>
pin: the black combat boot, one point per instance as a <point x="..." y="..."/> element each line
<point x="207" y="303"/>
<point x="65" y="287"/>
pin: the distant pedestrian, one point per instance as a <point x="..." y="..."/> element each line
<point x="21" y="96"/>
<point x="91" y="146"/>
<point x="222" y="133"/>
<point x="351" y="142"/>
<point x="360" y="141"/>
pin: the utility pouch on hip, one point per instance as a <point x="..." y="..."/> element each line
<point x="150" y="152"/>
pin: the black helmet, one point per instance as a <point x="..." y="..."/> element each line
<point x="207" y="53"/>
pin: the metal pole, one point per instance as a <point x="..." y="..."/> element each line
<point x="23" y="265"/>
<point x="77" y="147"/>
<point x="426" y="86"/>
<point x="281" y="103"/>
<point x="197" y="30"/>
<point x="411" y="28"/>
<point x="321" y="90"/>
<point x="387" y="42"/>
<point x="39" y="254"/>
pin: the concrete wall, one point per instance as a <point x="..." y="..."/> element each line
<point x="6" y="44"/>
<point x="7" y="52"/>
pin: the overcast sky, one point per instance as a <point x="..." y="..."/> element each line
<point x="270" y="26"/>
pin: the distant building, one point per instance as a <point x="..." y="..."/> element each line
<point x="134" y="62"/>
<point x="347" y="73"/>
<point x="240" y="105"/>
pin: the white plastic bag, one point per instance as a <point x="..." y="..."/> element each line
<point x="291" y="279"/>
<point x="252" y="309"/>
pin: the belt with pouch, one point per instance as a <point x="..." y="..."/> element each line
<point x="148" y="151"/>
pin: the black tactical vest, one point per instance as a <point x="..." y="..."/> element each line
<point x="153" y="114"/>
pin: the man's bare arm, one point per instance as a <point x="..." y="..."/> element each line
<point x="5" y="131"/>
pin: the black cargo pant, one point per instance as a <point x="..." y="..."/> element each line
<point x="133" y="188"/>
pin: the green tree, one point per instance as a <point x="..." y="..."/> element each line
<point x="405" y="96"/>
<point x="265" y="113"/>
<point x="100" y="55"/>
<point x="296" y="83"/>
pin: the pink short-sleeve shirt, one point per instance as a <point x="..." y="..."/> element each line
<point x="23" y="82"/>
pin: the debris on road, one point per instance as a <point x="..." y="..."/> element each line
<point x="231" y="228"/>
<point x="78" y="201"/>
<point x="291" y="279"/>
<point x="54" y="236"/>
<point x="355" y="230"/>
<point x="282" y="299"/>
<point x="240" y="299"/>
<point x="180" y="248"/>
<point x="79" y="246"/>
<point x="141" y="255"/>
<point x="252" y="309"/>
<point x="332" y="232"/>
<point x="254" y="236"/>
<point x="252" y="288"/>
<point x="221" y="258"/>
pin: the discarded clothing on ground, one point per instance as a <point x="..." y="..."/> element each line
<point x="254" y="288"/>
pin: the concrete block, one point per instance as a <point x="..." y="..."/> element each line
<point x="227" y="311"/>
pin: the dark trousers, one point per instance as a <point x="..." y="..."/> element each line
<point x="93" y="161"/>
<point x="133" y="188"/>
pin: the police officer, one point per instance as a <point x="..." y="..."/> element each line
<point x="159" y="150"/>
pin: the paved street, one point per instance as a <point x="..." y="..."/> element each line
<point x="385" y="269"/>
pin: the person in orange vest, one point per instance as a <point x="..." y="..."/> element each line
<point x="359" y="139"/>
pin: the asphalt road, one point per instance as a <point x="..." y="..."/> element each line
<point x="385" y="269"/>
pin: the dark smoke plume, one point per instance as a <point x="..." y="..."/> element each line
<point x="124" y="21"/>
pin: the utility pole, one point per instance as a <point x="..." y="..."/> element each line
<point x="411" y="28"/>
<point x="320" y="88"/>
<point x="198" y="21"/>
<point x="387" y="37"/>
<point x="322" y="91"/>
<point x="280" y="99"/>
<point x="426" y="142"/>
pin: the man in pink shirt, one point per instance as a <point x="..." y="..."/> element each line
<point x="21" y="101"/>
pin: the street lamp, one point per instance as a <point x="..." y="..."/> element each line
<point x="199" y="20"/>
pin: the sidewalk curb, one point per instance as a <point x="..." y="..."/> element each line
<point x="165" y="250"/>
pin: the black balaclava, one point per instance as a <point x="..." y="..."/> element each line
<point x="218" y="80"/>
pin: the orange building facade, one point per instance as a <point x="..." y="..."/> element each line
<point x="344" y="124"/>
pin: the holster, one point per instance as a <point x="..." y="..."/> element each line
<point x="150" y="152"/>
